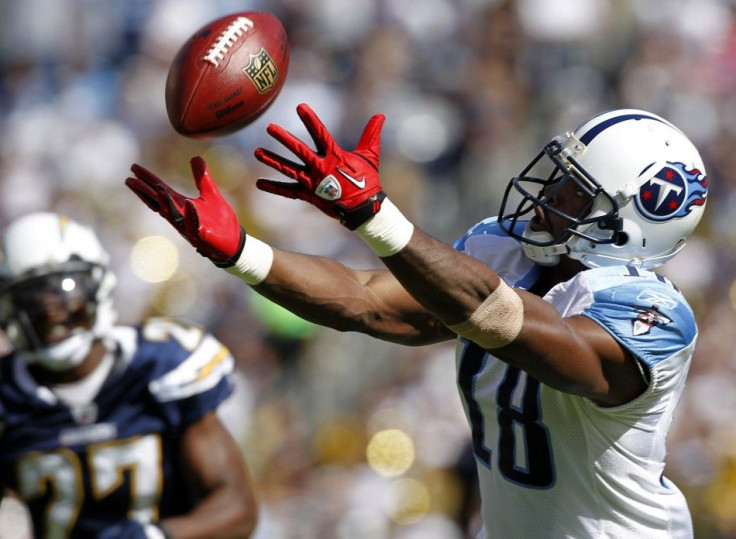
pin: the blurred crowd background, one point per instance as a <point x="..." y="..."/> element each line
<point x="348" y="437"/>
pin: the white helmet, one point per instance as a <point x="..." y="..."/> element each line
<point x="55" y="290"/>
<point x="647" y="184"/>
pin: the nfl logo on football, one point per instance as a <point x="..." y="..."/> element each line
<point x="262" y="71"/>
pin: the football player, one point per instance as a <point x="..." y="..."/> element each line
<point x="109" y="431"/>
<point x="572" y="352"/>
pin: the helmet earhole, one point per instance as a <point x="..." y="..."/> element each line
<point x="622" y="238"/>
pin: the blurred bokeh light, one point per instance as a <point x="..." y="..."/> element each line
<point x="407" y="501"/>
<point x="154" y="259"/>
<point x="390" y="452"/>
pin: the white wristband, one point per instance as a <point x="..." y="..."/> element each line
<point x="388" y="231"/>
<point x="254" y="262"/>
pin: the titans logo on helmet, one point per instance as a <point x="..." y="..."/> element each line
<point x="672" y="192"/>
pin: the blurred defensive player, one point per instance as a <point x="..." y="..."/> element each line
<point x="109" y="431"/>
<point x="572" y="352"/>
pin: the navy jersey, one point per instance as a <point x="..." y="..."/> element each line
<point x="581" y="470"/>
<point x="82" y="469"/>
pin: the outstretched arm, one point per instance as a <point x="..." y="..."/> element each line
<point x="318" y="289"/>
<point x="328" y="293"/>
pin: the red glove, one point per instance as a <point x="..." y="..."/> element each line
<point x="207" y="222"/>
<point x="344" y="185"/>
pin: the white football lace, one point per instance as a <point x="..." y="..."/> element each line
<point x="227" y="39"/>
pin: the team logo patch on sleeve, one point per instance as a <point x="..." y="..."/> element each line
<point x="671" y="192"/>
<point x="647" y="318"/>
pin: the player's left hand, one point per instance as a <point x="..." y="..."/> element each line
<point x="208" y="222"/>
<point x="344" y="185"/>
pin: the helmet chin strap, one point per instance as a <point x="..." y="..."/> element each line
<point x="543" y="255"/>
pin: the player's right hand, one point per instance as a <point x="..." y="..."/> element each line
<point x="208" y="222"/>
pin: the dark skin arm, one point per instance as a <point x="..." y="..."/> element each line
<point x="215" y="470"/>
<point x="328" y="293"/>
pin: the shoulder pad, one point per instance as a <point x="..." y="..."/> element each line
<point x="203" y="361"/>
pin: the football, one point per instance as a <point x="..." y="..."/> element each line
<point x="227" y="74"/>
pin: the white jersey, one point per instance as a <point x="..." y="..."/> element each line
<point x="556" y="465"/>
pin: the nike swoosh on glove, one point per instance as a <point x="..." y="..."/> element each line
<point x="344" y="185"/>
<point x="208" y="222"/>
